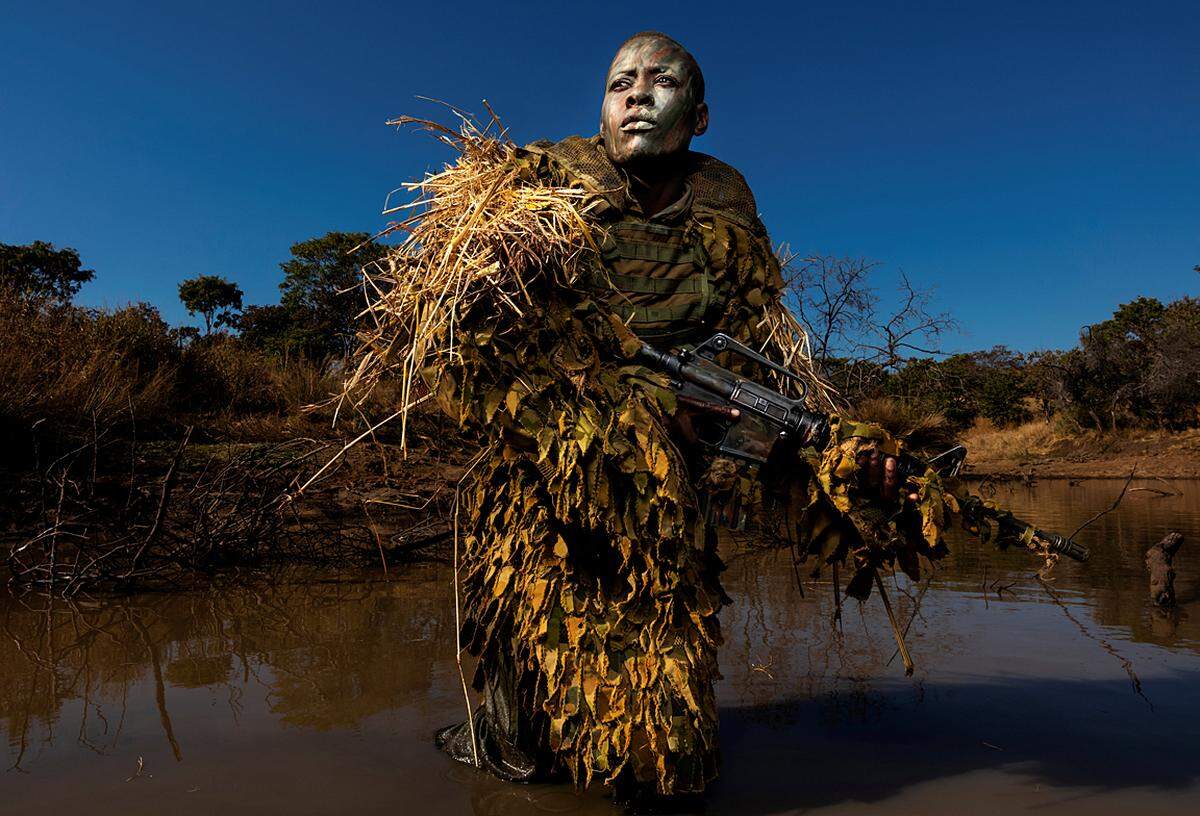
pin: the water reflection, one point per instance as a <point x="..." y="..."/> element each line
<point x="1114" y="583"/>
<point x="324" y="652"/>
<point x="318" y="693"/>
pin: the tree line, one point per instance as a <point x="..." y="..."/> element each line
<point x="314" y="317"/>
<point x="69" y="370"/>
<point x="318" y="306"/>
<point x="1140" y="367"/>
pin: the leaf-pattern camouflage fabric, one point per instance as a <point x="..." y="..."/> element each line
<point x="583" y="562"/>
<point x="838" y="519"/>
<point x="584" y="565"/>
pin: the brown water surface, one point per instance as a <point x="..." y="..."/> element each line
<point x="311" y="696"/>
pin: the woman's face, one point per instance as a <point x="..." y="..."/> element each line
<point x="649" y="110"/>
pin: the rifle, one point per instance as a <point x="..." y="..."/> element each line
<point x="751" y="419"/>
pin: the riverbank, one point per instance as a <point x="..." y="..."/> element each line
<point x="1042" y="450"/>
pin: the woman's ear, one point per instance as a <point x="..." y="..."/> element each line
<point x="701" y="119"/>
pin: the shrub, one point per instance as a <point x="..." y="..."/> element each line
<point x="218" y="373"/>
<point x="67" y="371"/>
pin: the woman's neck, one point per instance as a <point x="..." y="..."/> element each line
<point x="657" y="184"/>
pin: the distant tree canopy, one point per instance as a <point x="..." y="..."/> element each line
<point x="320" y="298"/>
<point x="38" y="270"/>
<point x="1141" y="364"/>
<point x="1140" y="367"/>
<point x="212" y="297"/>
<point x="321" y="290"/>
<point x="277" y="330"/>
<point x="991" y="384"/>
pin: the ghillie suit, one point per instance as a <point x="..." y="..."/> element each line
<point x="590" y="581"/>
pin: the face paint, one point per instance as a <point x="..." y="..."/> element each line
<point x="648" y="110"/>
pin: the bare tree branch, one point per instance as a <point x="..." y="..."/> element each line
<point x="848" y="324"/>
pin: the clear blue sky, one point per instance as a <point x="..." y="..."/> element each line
<point x="1037" y="162"/>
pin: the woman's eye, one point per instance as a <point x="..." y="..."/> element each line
<point x="666" y="80"/>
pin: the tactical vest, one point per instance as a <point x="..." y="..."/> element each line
<point x="656" y="276"/>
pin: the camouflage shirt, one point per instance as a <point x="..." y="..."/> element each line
<point x="701" y="265"/>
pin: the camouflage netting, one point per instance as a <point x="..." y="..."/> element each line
<point x="584" y="566"/>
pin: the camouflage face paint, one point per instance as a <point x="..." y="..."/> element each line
<point x="649" y="110"/>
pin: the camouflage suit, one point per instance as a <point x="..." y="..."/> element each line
<point x="591" y="588"/>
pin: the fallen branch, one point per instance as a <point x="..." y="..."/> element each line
<point x="1102" y="513"/>
<point x="1160" y="563"/>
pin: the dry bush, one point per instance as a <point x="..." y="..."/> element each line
<point x="66" y="373"/>
<point x="160" y="523"/>
<point x="218" y="373"/>
<point x="922" y="430"/>
<point x="195" y="509"/>
<point x="293" y="400"/>
<point x="69" y="370"/>
<point x="987" y="443"/>
<point x="300" y="382"/>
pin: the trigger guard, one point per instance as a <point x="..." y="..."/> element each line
<point x="711" y="432"/>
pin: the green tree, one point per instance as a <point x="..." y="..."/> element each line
<point x="212" y="297"/>
<point x="1141" y="365"/>
<point x="1108" y="377"/>
<point x="38" y="270"/>
<point x="272" y="328"/>
<point x="1173" y="376"/>
<point x="1002" y="386"/>
<point x="321" y="290"/>
<point x="992" y="384"/>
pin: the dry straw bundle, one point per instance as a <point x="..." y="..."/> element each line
<point x="479" y="228"/>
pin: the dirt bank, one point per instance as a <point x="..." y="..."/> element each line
<point x="1044" y="450"/>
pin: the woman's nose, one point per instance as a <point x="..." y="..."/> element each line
<point x="639" y="96"/>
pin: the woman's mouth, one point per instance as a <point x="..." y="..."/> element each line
<point x="637" y="126"/>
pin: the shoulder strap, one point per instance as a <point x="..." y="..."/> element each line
<point x="722" y="190"/>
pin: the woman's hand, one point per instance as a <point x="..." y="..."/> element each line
<point x="879" y="474"/>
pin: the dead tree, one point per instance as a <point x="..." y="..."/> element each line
<point x="851" y="326"/>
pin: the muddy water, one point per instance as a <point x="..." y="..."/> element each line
<point x="307" y="697"/>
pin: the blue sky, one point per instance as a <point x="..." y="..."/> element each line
<point x="1037" y="163"/>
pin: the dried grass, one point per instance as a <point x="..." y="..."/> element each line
<point x="1030" y="440"/>
<point x="787" y="344"/>
<point x="921" y="429"/>
<point x="476" y="229"/>
<point x="63" y="377"/>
